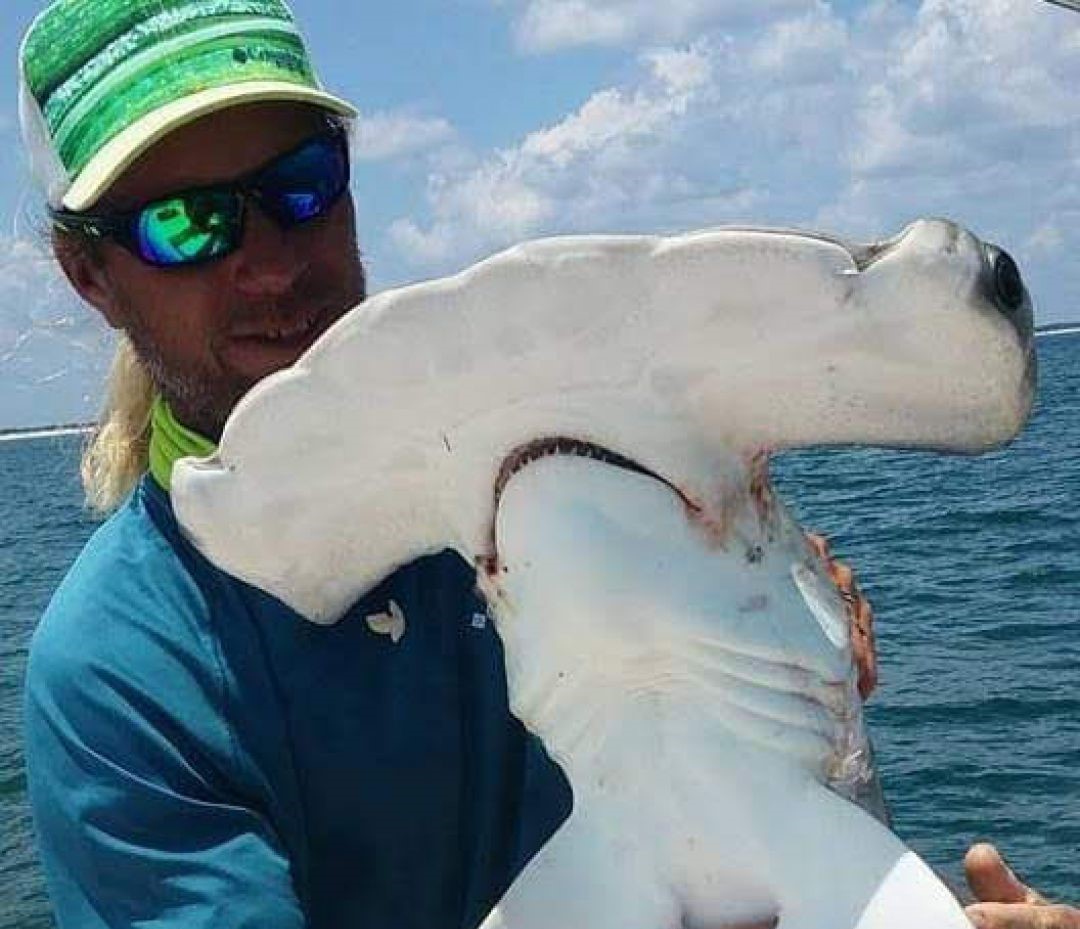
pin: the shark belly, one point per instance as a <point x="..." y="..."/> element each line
<point x="702" y="701"/>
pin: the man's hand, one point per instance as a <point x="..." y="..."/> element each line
<point x="1005" y="901"/>
<point x="859" y="614"/>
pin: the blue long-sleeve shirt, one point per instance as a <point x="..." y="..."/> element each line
<point x="199" y="755"/>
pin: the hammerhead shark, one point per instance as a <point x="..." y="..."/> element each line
<point x="588" y="420"/>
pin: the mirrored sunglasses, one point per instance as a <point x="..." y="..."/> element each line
<point x="203" y="224"/>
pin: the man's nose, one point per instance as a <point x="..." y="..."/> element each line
<point x="268" y="261"/>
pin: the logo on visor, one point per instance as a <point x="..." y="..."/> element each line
<point x="279" y="58"/>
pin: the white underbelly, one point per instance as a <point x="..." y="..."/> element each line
<point x="700" y="697"/>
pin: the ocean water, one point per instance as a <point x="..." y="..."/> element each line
<point x="973" y="567"/>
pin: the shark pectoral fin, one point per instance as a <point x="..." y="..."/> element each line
<point x="584" y="878"/>
<point x="852" y="872"/>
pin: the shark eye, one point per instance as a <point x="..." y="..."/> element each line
<point x="1008" y="284"/>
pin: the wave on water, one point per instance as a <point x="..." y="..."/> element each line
<point x="26" y="435"/>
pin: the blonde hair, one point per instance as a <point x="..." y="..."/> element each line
<point x="118" y="452"/>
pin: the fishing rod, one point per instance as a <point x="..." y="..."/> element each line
<point x="1073" y="5"/>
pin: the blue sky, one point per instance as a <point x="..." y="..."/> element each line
<point x="484" y="122"/>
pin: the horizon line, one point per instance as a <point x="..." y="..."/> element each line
<point x="44" y="432"/>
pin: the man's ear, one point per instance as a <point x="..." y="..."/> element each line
<point x="85" y="268"/>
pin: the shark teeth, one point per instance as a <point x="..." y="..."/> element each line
<point x="533" y="451"/>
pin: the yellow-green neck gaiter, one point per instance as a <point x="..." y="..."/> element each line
<point x="170" y="441"/>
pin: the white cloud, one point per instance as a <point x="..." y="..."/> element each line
<point x="381" y="136"/>
<point x="967" y="80"/>
<point x="493" y="202"/>
<point x="54" y="352"/>
<point x="572" y="172"/>
<point x="974" y="114"/>
<point x="550" y="25"/>
<point x="803" y="48"/>
<point x="612" y="118"/>
<point x="854" y="121"/>
<point x="680" y="69"/>
<point x="1047" y="239"/>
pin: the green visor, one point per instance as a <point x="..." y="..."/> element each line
<point x="102" y="80"/>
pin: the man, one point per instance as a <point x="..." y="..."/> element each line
<point x="199" y="755"/>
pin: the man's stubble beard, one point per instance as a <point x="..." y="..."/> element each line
<point x="202" y="400"/>
<point x="196" y="399"/>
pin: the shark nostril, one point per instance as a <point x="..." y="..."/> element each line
<point x="865" y="255"/>
<point x="1008" y="283"/>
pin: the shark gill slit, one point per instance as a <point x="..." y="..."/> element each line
<point x="536" y="449"/>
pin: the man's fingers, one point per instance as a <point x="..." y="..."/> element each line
<point x="1023" y="916"/>
<point x="861" y="617"/>
<point x="991" y="880"/>
<point x="863" y="621"/>
<point x="862" y="644"/>
<point x="843" y="577"/>
<point x="859" y="613"/>
<point x="819" y="544"/>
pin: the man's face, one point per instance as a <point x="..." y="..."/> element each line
<point x="210" y="332"/>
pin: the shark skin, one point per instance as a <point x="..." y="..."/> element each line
<point x="704" y="707"/>
<point x="588" y="420"/>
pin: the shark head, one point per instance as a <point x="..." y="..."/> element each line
<point x="683" y="358"/>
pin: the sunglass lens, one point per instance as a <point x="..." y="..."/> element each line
<point x="190" y="228"/>
<point x="307" y="183"/>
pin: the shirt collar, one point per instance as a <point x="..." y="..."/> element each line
<point x="170" y="441"/>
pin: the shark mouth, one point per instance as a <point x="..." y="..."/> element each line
<point x="533" y="451"/>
